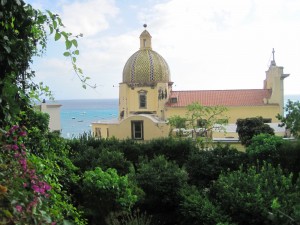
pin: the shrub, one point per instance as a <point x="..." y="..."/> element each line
<point x="248" y="197"/>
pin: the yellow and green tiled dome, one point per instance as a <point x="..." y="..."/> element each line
<point x="146" y="67"/>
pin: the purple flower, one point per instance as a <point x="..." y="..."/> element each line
<point x="14" y="147"/>
<point x="19" y="208"/>
<point x="22" y="133"/>
<point x="23" y="163"/>
<point x="36" y="188"/>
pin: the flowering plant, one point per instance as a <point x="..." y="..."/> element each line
<point x="23" y="193"/>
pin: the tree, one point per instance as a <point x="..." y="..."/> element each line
<point x="197" y="209"/>
<point x="291" y="119"/>
<point x="265" y="147"/>
<point x="204" y="119"/>
<point x="177" y="122"/>
<point x="204" y="167"/>
<point x="259" y="196"/>
<point x="23" y="35"/>
<point x="104" y="192"/>
<point x="248" y="127"/>
<point x="161" y="181"/>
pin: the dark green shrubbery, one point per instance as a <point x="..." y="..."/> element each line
<point x="205" y="167"/>
<point x="258" y="196"/>
<point x="180" y="184"/>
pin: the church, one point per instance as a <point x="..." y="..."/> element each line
<point x="147" y="100"/>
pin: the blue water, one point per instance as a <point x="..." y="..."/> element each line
<point x="77" y="115"/>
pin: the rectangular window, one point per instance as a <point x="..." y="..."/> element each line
<point x="173" y="100"/>
<point x="143" y="100"/>
<point x="137" y="130"/>
<point x="98" y="132"/>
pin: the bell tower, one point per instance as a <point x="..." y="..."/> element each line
<point x="274" y="82"/>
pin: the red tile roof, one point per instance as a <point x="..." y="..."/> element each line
<point x="247" y="97"/>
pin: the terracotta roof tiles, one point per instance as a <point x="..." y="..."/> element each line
<point x="247" y="97"/>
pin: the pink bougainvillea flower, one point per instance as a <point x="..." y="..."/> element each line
<point x="36" y="188"/>
<point x="14" y="147"/>
<point x="19" y="208"/>
<point x="22" y="133"/>
<point x="23" y="163"/>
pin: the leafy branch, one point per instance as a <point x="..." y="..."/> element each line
<point x="55" y="24"/>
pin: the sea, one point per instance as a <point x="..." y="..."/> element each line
<point x="77" y="115"/>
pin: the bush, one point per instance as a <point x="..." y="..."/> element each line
<point x="197" y="209"/>
<point x="204" y="167"/>
<point x="255" y="196"/>
<point x="161" y="181"/>
<point x="105" y="192"/>
<point x="249" y="127"/>
<point x="265" y="147"/>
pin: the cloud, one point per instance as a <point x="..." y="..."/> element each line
<point x="88" y="17"/>
<point x="207" y="44"/>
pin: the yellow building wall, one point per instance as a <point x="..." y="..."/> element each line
<point x="122" y="130"/>
<point x="234" y="113"/>
<point x="129" y="99"/>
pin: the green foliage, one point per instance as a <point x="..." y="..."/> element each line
<point x="132" y="218"/>
<point x="23" y="35"/>
<point x="248" y="196"/>
<point x="105" y="192"/>
<point x="173" y="149"/>
<point x="31" y="186"/>
<point x="197" y="209"/>
<point x="292" y="118"/>
<point x="289" y="158"/>
<point x="177" y="122"/>
<point x="113" y="159"/>
<point x="265" y="147"/>
<point x="204" y="167"/>
<point x="161" y="181"/>
<point x="249" y="127"/>
<point x="277" y="151"/>
<point x="212" y="115"/>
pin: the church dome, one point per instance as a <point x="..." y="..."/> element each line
<point x="146" y="67"/>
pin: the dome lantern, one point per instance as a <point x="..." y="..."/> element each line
<point x="145" y="39"/>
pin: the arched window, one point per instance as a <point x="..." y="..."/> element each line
<point x="142" y="99"/>
<point x="137" y="130"/>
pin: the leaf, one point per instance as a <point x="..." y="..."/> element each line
<point x="75" y="43"/>
<point x="54" y="24"/>
<point x="80" y="70"/>
<point x="57" y="36"/>
<point x="67" y="222"/>
<point x="76" y="52"/>
<point x="3" y="2"/>
<point x="84" y="86"/>
<point x="64" y="34"/>
<point x="74" y="59"/>
<point x="7" y="48"/>
<point x="7" y="213"/>
<point x="67" y="54"/>
<point x="68" y="44"/>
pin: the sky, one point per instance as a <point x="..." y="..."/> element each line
<point x="208" y="45"/>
